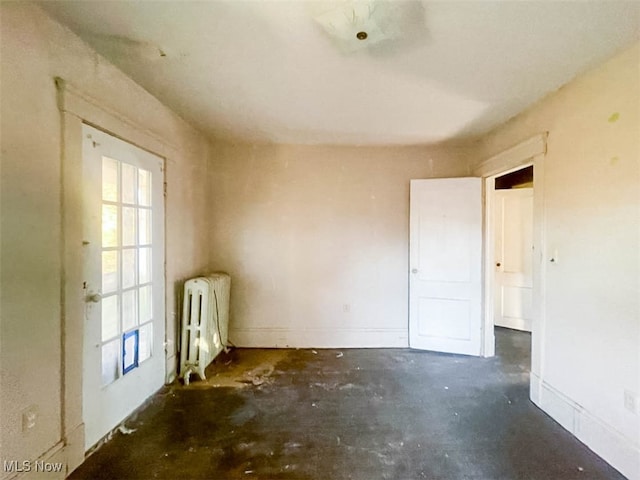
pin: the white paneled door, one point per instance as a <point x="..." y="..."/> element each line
<point x="123" y="246"/>
<point x="445" y="263"/>
<point x="513" y="215"/>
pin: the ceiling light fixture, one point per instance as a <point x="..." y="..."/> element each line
<point x="350" y="22"/>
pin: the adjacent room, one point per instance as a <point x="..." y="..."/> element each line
<point x="413" y="227"/>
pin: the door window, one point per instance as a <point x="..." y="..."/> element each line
<point x="127" y="286"/>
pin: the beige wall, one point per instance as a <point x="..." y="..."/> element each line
<point x="590" y="338"/>
<point x="34" y="50"/>
<point x="307" y="232"/>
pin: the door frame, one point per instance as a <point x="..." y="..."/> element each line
<point x="529" y="152"/>
<point x="77" y="108"/>
<point x="489" y="255"/>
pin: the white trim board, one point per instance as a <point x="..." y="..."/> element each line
<point x="619" y="451"/>
<point x="514" y="157"/>
<point x="77" y="107"/>
<point x="94" y="112"/>
<point x="55" y="455"/>
<point x="319" y="338"/>
<point x="528" y="152"/>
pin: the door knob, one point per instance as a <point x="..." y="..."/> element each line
<point x="94" y="297"/>
<point x="498" y="264"/>
<point x="414" y="270"/>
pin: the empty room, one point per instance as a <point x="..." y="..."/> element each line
<point x="320" y="239"/>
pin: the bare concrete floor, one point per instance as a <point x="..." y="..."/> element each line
<point x="352" y="414"/>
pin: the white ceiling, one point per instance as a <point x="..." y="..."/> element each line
<point x="267" y="71"/>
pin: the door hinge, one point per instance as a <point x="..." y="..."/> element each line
<point x="164" y="189"/>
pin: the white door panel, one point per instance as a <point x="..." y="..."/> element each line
<point x="123" y="247"/>
<point x="445" y="265"/>
<point x="513" y="256"/>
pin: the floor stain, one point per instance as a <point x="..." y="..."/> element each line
<point x="241" y="368"/>
<point x="370" y="414"/>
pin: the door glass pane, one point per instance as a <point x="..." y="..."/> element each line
<point x="109" y="271"/>
<point x="128" y="226"/>
<point x="146" y="341"/>
<point x="144" y="187"/>
<point x="110" y="356"/>
<point x="109" y="226"/>
<point x="128" y="267"/>
<point x="109" y="179"/>
<point x="129" y="309"/>
<point x="110" y="317"/>
<point x="144" y="216"/>
<point x="145" y="265"/>
<point x="128" y="183"/>
<point x="146" y="308"/>
<point x="130" y="352"/>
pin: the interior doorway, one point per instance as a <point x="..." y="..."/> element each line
<point x="509" y="264"/>
<point x="513" y="249"/>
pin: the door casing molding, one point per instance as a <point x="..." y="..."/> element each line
<point x="76" y="107"/>
<point x="529" y="152"/>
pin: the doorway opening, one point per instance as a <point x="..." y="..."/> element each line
<point x="513" y="245"/>
<point x="510" y="231"/>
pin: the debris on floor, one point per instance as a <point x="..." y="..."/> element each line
<point x="288" y="414"/>
<point x="241" y="368"/>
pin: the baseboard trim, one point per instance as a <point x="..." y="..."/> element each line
<point x="36" y="470"/>
<point x="616" y="449"/>
<point x="319" y="338"/>
<point x="74" y="448"/>
<point x="515" y="324"/>
<point x="171" y="369"/>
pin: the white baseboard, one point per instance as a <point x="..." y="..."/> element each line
<point x="171" y="368"/>
<point x="74" y="448"/>
<point x="616" y="449"/>
<point x="515" y="324"/>
<point x="319" y="338"/>
<point x="50" y="465"/>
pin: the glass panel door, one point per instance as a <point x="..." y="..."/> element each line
<point x="123" y="246"/>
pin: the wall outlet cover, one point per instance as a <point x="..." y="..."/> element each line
<point x="29" y="417"/>
<point x="631" y="401"/>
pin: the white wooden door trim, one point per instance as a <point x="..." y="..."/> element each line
<point x="77" y="107"/>
<point x="513" y="158"/>
<point x="529" y="152"/>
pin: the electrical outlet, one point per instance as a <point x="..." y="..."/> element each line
<point x="631" y="402"/>
<point x="346" y="308"/>
<point x="29" y="417"/>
